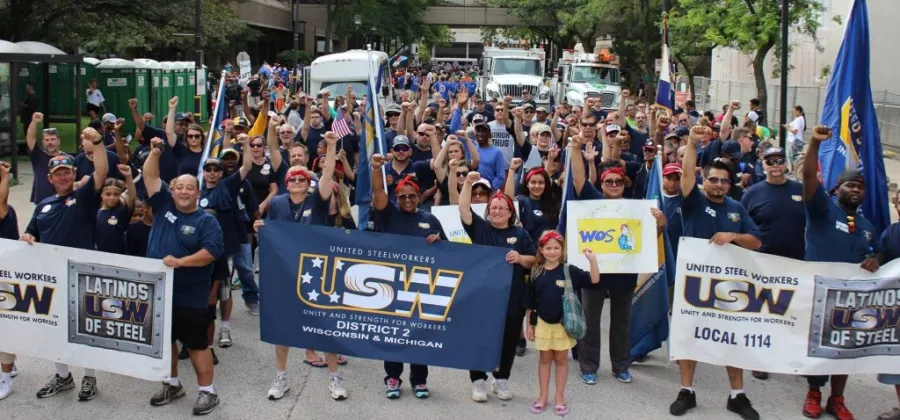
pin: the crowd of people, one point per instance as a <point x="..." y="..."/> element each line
<point x="725" y="180"/>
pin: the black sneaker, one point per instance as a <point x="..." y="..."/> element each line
<point x="183" y="354"/>
<point x="56" y="385"/>
<point x="741" y="405"/>
<point x="206" y="402"/>
<point x="88" y="389"/>
<point x="520" y="349"/>
<point x="215" y="358"/>
<point x="686" y="400"/>
<point x="167" y="394"/>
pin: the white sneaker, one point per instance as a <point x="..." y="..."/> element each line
<point x="338" y="392"/>
<point x="279" y="387"/>
<point x="224" y="337"/>
<point x="15" y="371"/>
<point x="6" y="388"/>
<point x="479" y="391"/>
<point x="500" y="387"/>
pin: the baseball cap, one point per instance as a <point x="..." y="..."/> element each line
<point x="752" y="116"/>
<point x="527" y="105"/>
<point x="717" y="126"/>
<point x="544" y="129"/>
<point x="541" y="109"/>
<point x="108" y="118"/>
<point x="212" y="162"/>
<point x="773" y="151"/>
<point x="229" y="151"/>
<point x="850" y="175"/>
<point x="478" y="119"/>
<point x="613" y="128"/>
<point x="673" y="135"/>
<point x="96" y="125"/>
<point x="400" y="139"/>
<point x="483" y="183"/>
<point x="649" y="145"/>
<point x="241" y="122"/>
<point x="682" y="131"/>
<point x="732" y="149"/>
<point x="671" y="168"/>
<point x="182" y="116"/>
<point x="392" y="109"/>
<point x="61" y="161"/>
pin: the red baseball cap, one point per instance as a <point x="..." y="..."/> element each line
<point x="671" y="168"/>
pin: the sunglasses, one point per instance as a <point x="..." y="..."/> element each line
<point x="212" y="169"/>
<point x="498" y="110"/>
<point x="587" y="125"/>
<point x="406" y="197"/>
<point x="297" y="180"/>
<point x="614" y="182"/>
<point x="462" y="173"/>
<point x="422" y="134"/>
<point x="479" y="193"/>
<point x="194" y="136"/>
<point x="776" y="161"/>
<point x="401" y="148"/>
<point x="719" y="181"/>
<point x="256" y="145"/>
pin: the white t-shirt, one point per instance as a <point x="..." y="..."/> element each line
<point x="503" y="140"/>
<point x="95" y="98"/>
<point x="798" y="124"/>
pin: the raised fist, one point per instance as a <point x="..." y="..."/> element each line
<point x="37" y="117"/>
<point x="515" y="164"/>
<point x="626" y="93"/>
<point x="821" y="133"/>
<point x="377" y="161"/>
<point x="173" y="102"/>
<point x="472" y="177"/>
<point x="132" y="103"/>
<point x="735" y="104"/>
<point x="331" y="137"/>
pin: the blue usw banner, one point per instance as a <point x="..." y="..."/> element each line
<point x="650" y="305"/>
<point x="383" y="296"/>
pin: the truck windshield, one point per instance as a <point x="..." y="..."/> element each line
<point x="606" y="75"/>
<point x="517" y="66"/>
<point x="340" y="88"/>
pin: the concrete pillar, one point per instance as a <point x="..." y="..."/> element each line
<point x="309" y="40"/>
<point x="467" y="50"/>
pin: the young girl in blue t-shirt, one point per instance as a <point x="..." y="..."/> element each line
<point x="546" y="290"/>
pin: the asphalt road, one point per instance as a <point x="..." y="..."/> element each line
<point x="246" y="371"/>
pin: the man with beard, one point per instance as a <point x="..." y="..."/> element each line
<point x="835" y="232"/>
<point x="712" y="215"/>
<point x="40" y="157"/>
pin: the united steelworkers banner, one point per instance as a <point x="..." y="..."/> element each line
<point x="622" y="233"/>
<point x="742" y="308"/>
<point x="86" y="308"/>
<point x="383" y="296"/>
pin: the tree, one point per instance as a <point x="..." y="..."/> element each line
<point x="688" y="51"/>
<point x="395" y="22"/>
<point x="752" y="26"/>
<point x="561" y="22"/>
<point x="636" y="34"/>
<point x="121" y="27"/>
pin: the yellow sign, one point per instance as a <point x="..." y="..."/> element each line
<point x="610" y="236"/>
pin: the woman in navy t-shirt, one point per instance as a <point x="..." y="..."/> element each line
<point x="498" y="228"/>
<point x="538" y="203"/>
<point x="189" y="153"/>
<point x="115" y="213"/>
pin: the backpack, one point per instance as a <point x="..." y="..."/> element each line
<point x="573" y="316"/>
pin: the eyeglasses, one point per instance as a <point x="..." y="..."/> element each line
<point x="297" y="180"/>
<point x="498" y="209"/>
<point x="402" y="148"/>
<point x="719" y="181"/>
<point x="776" y="161"/>
<point x="407" y="197"/>
<point x="613" y="182"/>
<point x="256" y="145"/>
<point x="212" y="169"/>
<point x="194" y="136"/>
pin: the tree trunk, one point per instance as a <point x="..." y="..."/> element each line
<point x="759" y="74"/>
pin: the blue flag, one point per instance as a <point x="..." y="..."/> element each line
<point x="382" y="296"/>
<point x="665" y="96"/>
<point x="214" y="138"/>
<point x="371" y="141"/>
<point x="650" y="305"/>
<point x="851" y="115"/>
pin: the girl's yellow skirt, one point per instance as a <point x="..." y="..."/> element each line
<point x="551" y="337"/>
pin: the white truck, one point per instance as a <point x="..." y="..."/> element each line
<point x="350" y="68"/>
<point x="511" y="71"/>
<point x="584" y="75"/>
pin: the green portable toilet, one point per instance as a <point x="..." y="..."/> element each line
<point x="182" y="90"/>
<point x="153" y="69"/>
<point x="121" y="80"/>
<point x="195" y="90"/>
<point x="88" y="73"/>
<point x="62" y="85"/>
<point x="166" y="89"/>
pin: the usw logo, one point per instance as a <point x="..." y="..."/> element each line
<point x="127" y="310"/>
<point x="377" y="287"/>
<point x="735" y="296"/>
<point x="30" y="299"/>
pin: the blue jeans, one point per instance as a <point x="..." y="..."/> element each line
<point x="243" y="263"/>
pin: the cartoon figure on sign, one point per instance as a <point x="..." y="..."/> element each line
<point x="626" y="239"/>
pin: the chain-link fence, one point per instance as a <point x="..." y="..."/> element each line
<point x="712" y="95"/>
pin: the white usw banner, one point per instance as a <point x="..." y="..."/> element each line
<point x="86" y="308"/>
<point x="742" y="308"/>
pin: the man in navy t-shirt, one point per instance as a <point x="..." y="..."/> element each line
<point x="712" y="215"/>
<point x="40" y="156"/>
<point x="835" y="232"/>
<point x="189" y="240"/>
<point x="67" y="218"/>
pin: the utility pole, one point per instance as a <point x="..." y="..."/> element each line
<point x="198" y="55"/>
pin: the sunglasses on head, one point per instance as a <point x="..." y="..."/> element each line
<point x="401" y="148"/>
<point x="614" y="182"/>
<point x="719" y="181"/>
<point x="775" y="161"/>
<point x="49" y="131"/>
<point x="256" y="145"/>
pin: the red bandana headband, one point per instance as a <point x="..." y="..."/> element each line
<point x="548" y="236"/>
<point x="408" y="180"/>
<point x="533" y="172"/>
<point x="617" y="170"/>
<point x="504" y="197"/>
<point x="297" y="171"/>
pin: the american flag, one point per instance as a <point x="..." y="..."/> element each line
<point x="340" y="126"/>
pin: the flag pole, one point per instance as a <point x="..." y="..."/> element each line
<point x="376" y="111"/>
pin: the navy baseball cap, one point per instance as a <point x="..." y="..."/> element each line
<point x="773" y="151"/>
<point x="732" y="149"/>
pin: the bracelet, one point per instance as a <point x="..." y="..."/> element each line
<point x="95" y="143"/>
